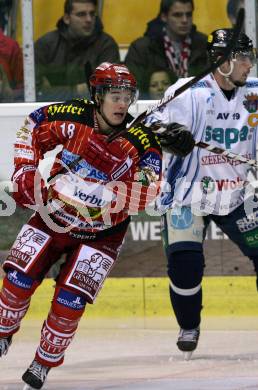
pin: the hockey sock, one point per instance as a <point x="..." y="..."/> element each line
<point x="60" y="327"/>
<point x="14" y="301"/>
<point x="187" y="309"/>
<point x="185" y="270"/>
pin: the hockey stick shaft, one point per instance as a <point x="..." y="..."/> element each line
<point x="190" y="83"/>
<point x="179" y="91"/>
<point x="67" y="168"/>
<point x="227" y="154"/>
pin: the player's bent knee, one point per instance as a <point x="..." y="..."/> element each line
<point x="14" y="301"/>
<point x="90" y="269"/>
<point x="185" y="270"/>
<point x="68" y="303"/>
<point x="19" y="284"/>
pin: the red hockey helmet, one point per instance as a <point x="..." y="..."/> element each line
<point x="108" y="76"/>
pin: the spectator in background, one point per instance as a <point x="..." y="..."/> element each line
<point x="6" y="7"/>
<point x="11" y="62"/>
<point x="170" y="41"/>
<point x="6" y="93"/>
<point x="61" y="55"/>
<point x="158" y="82"/>
<point x="233" y="7"/>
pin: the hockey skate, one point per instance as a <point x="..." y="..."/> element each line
<point x="187" y="341"/>
<point x="35" y="376"/>
<point x="5" y="344"/>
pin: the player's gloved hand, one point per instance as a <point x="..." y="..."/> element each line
<point x="176" y="139"/>
<point x="24" y="178"/>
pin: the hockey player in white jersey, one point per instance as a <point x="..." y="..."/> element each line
<point x="205" y="187"/>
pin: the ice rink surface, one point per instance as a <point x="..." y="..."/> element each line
<point x="139" y="359"/>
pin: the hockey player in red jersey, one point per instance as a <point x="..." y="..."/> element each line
<point x="84" y="213"/>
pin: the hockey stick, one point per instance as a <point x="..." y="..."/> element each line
<point x="179" y="91"/>
<point x="227" y="153"/>
<point x="66" y="168"/>
<point x="190" y="83"/>
<point x="202" y="145"/>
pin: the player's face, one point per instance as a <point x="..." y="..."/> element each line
<point x="115" y="105"/>
<point x="81" y="20"/>
<point x="242" y="66"/>
<point x="179" y="19"/>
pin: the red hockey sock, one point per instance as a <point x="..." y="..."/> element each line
<point x="14" y="301"/>
<point x="60" y="327"/>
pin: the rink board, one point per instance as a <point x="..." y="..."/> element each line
<point x="149" y="297"/>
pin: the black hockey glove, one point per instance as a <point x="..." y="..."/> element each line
<point x="176" y="139"/>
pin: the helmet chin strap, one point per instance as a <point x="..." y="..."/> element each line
<point x="228" y="74"/>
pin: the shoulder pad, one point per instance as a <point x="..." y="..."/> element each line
<point x="142" y="138"/>
<point x="77" y="110"/>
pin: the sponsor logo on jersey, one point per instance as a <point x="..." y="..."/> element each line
<point x="122" y="169"/>
<point x="142" y="136"/>
<point x="251" y="105"/>
<point x="27" y="247"/>
<point x="182" y="218"/>
<point x="23" y="135"/>
<point x="251" y="238"/>
<point x="153" y="161"/>
<point x="20" y="280"/>
<point x="200" y="84"/>
<point x="208" y="184"/>
<point x="228" y="136"/>
<point x="216" y="159"/>
<point x="25" y="168"/>
<point x="251" y="102"/>
<point x="71" y="300"/>
<point x="70" y="219"/>
<point x="252" y="84"/>
<point x="253" y="120"/>
<point x="63" y="109"/>
<point x="92" y="200"/>
<point x="38" y="115"/>
<point x="23" y="153"/>
<point x="83" y="168"/>
<point x="48" y="356"/>
<point x="248" y="223"/>
<point x="89" y="271"/>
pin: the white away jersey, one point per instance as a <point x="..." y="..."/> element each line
<point x="208" y="182"/>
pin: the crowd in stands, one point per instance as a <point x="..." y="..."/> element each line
<point x="61" y="55"/>
<point x="171" y="47"/>
<point x="171" y="42"/>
